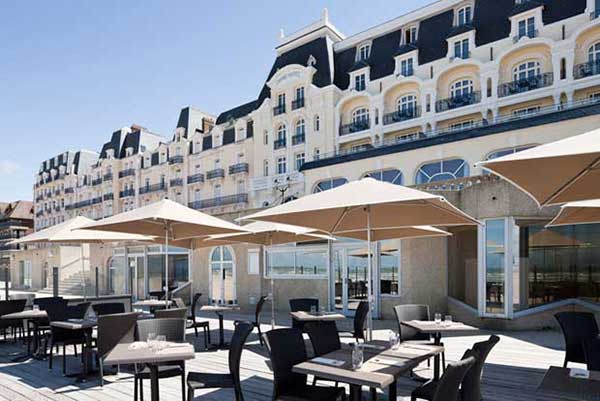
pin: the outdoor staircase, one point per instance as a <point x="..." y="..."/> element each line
<point x="71" y="285"/>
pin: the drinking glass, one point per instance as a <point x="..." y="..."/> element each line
<point x="161" y="342"/>
<point x="36" y="307"/>
<point x="438" y="318"/>
<point x="394" y="340"/>
<point x="313" y="310"/>
<point x="151" y="340"/>
<point x="357" y="356"/>
<point x="448" y="319"/>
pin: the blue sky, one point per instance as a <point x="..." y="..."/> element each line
<point x="72" y="72"/>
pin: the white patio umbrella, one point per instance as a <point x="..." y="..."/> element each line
<point x="70" y="232"/>
<point x="169" y="220"/>
<point x="584" y="212"/>
<point x="564" y="171"/>
<point x="366" y="206"/>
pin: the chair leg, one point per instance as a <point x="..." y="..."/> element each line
<point x="190" y="394"/>
<point x="443" y="361"/>
<point x="260" y="339"/>
<point x="141" y="390"/>
<point x="75" y="349"/>
<point x="51" y="357"/>
<point x="196" y="331"/>
<point x="205" y="335"/>
<point x="373" y="394"/>
<point x="101" y="366"/>
<point x="64" y="360"/>
<point x="135" y="388"/>
<point x="183" y="386"/>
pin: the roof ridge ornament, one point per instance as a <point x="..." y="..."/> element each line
<point x="312" y="61"/>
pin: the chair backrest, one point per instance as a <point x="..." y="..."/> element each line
<point x="471" y="385"/>
<point x="195" y="301"/>
<point x="240" y="335"/>
<point x="411" y="312"/>
<point x="591" y="349"/>
<point x="259" y="307"/>
<point x="78" y="311"/>
<point x="577" y="327"/>
<point x="286" y="349"/>
<point x="57" y="311"/>
<point x="172" y="329"/>
<point x="174" y="313"/>
<point x="12" y="306"/>
<point x="43" y="303"/>
<point x="324" y="336"/>
<point x="180" y="303"/>
<point x="109" y="308"/>
<point x="360" y="318"/>
<point x="449" y="384"/>
<point x="27" y="297"/>
<point x="303" y="304"/>
<point x="114" y="329"/>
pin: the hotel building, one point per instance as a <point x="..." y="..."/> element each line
<point x="417" y="101"/>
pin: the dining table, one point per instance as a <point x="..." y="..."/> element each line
<point x="86" y="326"/>
<point x="305" y="317"/>
<point x="381" y="368"/>
<point x="141" y="353"/>
<point x="220" y="310"/>
<point x="560" y="382"/>
<point x="33" y="316"/>
<point x="437" y="330"/>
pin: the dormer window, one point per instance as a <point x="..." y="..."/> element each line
<point x="527" y="28"/>
<point x="406" y="67"/>
<point x="410" y="35"/>
<point x="464" y="16"/>
<point x="461" y="49"/>
<point x="364" y="52"/>
<point x="360" y="82"/>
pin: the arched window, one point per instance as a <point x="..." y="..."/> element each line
<point x="407" y="104"/>
<point x="392" y="175"/>
<point x="594" y="53"/>
<point x="360" y="115"/>
<point x="329" y="184"/>
<point x="462" y="87"/>
<point x="442" y="170"/>
<point x="281" y="132"/>
<point x="222" y="286"/>
<point x="300" y="127"/>
<point x="528" y="69"/>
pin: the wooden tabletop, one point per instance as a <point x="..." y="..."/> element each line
<point x="151" y="302"/>
<point x="125" y="354"/>
<point x="431" y="327"/>
<point x="557" y="382"/>
<point x="309" y="317"/>
<point x="381" y="367"/>
<point x="218" y="308"/>
<point x="27" y="314"/>
<point x="75" y="324"/>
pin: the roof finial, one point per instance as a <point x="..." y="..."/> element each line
<point x="281" y="34"/>
<point x="325" y="15"/>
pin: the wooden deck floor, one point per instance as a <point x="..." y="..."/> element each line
<point x="513" y="371"/>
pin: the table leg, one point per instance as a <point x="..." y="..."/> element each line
<point x="392" y="392"/>
<point x="355" y="392"/>
<point x="221" y="331"/>
<point x="436" y="360"/>
<point x="154" y="382"/>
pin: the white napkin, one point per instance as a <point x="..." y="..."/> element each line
<point x="579" y="373"/>
<point x="171" y="350"/>
<point x="387" y="362"/>
<point x="138" y="345"/>
<point x="330" y="362"/>
<point x="372" y="346"/>
<point x="177" y="345"/>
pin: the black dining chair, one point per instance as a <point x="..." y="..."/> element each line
<point x="409" y="312"/>
<point x="359" y="322"/>
<point x="174" y="313"/>
<point x="15" y="326"/>
<point x="197" y="381"/>
<point x="591" y="350"/>
<point x="448" y="387"/>
<point x="59" y="336"/>
<point x="113" y="329"/>
<point x="302" y="305"/>
<point x="577" y="327"/>
<point x="108" y="308"/>
<point x="195" y="323"/>
<point x="286" y="349"/>
<point x="257" y="312"/>
<point x="174" y="331"/>
<point x="324" y="338"/>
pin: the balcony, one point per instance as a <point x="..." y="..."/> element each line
<point x="216" y="173"/>
<point x="108" y="177"/>
<point x="588" y="69"/>
<point x="298" y="103"/>
<point x="356" y="126"/>
<point x="97" y="200"/>
<point x="401" y="115"/>
<point x="126" y="173"/>
<point x="531" y="34"/>
<point x="127" y="193"/>
<point x="69" y="190"/>
<point x="79" y="205"/>
<point x="279" y="143"/>
<point x="108" y="197"/>
<point x="526" y="85"/>
<point x="196" y="178"/>
<point x="96" y="181"/>
<point x="298" y="139"/>
<point x="176" y="159"/>
<point x="57" y="192"/>
<point x="161" y="186"/>
<point x="458" y="101"/>
<point x="219" y="201"/>
<point x="239" y="168"/>
<point x="279" y="109"/>
<point x="176" y="182"/>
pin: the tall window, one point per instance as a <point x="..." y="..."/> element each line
<point x="392" y="175"/>
<point x="410" y="35"/>
<point x="364" y="52"/>
<point x="300" y="93"/>
<point x="281" y="165"/>
<point x="461" y="49"/>
<point x="529" y="69"/>
<point x="329" y="184"/>
<point x="217" y="190"/>
<point x="464" y="16"/>
<point x="360" y="116"/>
<point x="300" y="157"/>
<point x="460" y="88"/>
<point x="443" y="170"/>
<point x="300" y="127"/>
<point x="406" y="67"/>
<point x="281" y="133"/>
<point x="360" y="82"/>
<point x="266" y="137"/>
<point x="527" y="27"/>
<point x="594" y="53"/>
<point x="407" y="104"/>
<point x="281" y="99"/>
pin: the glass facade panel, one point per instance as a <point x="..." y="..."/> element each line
<point x="389" y="268"/>
<point x="495" y="250"/>
<point x="117" y="277"/>
<point x="302" y="262"/>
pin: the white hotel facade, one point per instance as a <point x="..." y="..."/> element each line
<point x="417" y="100"/>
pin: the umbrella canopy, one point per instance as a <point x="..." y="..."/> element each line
<point x="265" y="233"/>
<point x="70" y="232"/>
<point x="559" y="172"/>
<point x="397" y="233"/>
<point x="584" y="212"/>
<point x="346" y="208"/>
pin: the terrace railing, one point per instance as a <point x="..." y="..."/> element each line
<point x="401" y="115"/>
<point x="219" y="201"/>
<point x="239" y="168"/>
<point x="108" y="177"/>
<point x="126" y="173"/>
<point x="298" y="103"/>
<point x="108" y="197"/>
<point x="298" y="139"/>
<point x="279" y="143"/>
<point x="458" y="101"/>
<point x="355" y="126"/>
<point x="279" y="109"/>
<point x="176" y="182"/>
<point x="588" y="69"/>
<point x="215" y="173"/>
<point x="196" y="178"/>
<point x="127" y="193"/>
<point x="161" y="186"/>
<point x="176" y="159"/>
<point x="526" y="84"/>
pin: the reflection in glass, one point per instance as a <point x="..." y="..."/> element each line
<point x="495" y="249"/>
<point x="304" y="262"/>
<point x="389" y="274"/>
<point x="221" y="271"/>
<point x="117" y="276"/>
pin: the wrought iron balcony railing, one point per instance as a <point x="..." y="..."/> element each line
<point x="458" y="101"/>
<point x="298" y="103"/>
<point x="298" y="139"/>
<point x="239" y="168"/>
<point x="279" y="143"/>
<point x="196" y="178"/>
<point x="126" y="173"/>
<point x="215" y="173"/>
<point x="356" y="126"/>
<point x="588" y="69"/>
<point x="526" y="84"/>
<point x="69" y="190"/>
<point x="219" y="201"/>
<point x="97" y="200"/>
<point x="108" y="177"/>
<point x="176" y="159"/>
<point x="401" y="115"/>
<point x="127" y="193"/>
<point x="176" y="182"/>
<point x="96" y="181"/>
<point x="108" y="197"/>
<point x="279" y="109"/>
<point x="161" y="186"/>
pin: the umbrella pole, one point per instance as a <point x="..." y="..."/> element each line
<point x="369" y="271"/>
<point x="167" y="265"/>
<point x="83" y="272"/>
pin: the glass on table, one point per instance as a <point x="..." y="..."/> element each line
<point x="36" y="307"/>
<point x="313" y="310"/>
<point x="448" y="319"/>
<point x="357" y="356"/>
<point x="394" y="340"/>
<point x="437" y="318"/>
